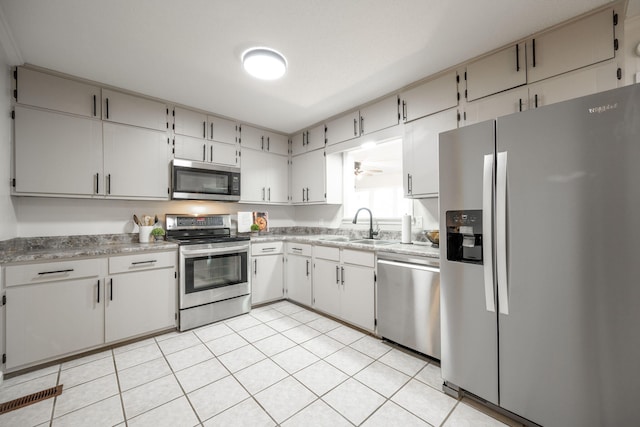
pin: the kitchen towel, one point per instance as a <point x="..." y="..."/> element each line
<point x="406" y="229"/>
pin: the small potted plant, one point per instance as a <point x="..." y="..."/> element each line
<point x="157" y="233"/>
<point x="255" y="228"/>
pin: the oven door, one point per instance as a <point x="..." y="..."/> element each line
<point x="213" y="274"/>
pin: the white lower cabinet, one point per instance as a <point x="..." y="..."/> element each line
<point x="298" y="278"/>
<point x="56" y="309"/>
<point x="136" y="281"/>
<point x="344" y="284"/>
<point x="267" y="272"/>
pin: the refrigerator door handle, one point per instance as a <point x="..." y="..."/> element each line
<point x="487" y="227"/>
<point x="501" y="232"/>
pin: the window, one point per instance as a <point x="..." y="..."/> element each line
<point x="373" y="179"/>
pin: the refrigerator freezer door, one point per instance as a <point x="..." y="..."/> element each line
<point x="469" y="330"/>
<point x="569" y="347"/>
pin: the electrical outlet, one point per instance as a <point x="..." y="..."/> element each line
<point x="417" y="222"/>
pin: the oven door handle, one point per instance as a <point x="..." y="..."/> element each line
<point x="192" y="253"/>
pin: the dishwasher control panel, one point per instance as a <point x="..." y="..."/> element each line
<point x="464" y="236"/>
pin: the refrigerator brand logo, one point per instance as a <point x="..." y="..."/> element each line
<point x="603" y="108"/>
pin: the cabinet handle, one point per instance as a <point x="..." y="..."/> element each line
<point x="342" y="275"/>
<point x="533" y="45"/>
<point x="204" y="152"/>
<point x="268" y="143"/>
<point x="97" y="183"/>
<point x="307" y="194"/>
<point x="269" y="249"/>
<point x="307" y="132"/>
<point x="263" y="194"/>
<point x="255" y="267"/>
<point x="536" y="100"/>
<point x="337" y="275"/>
<point x="303" y="194"/>
<point x="409" y="183"/>
<point x="262" y="143"/>
<point x="95" y="107"/>
<point x="517" y="57"/>
<point x="107" y="112"/>
<point x="361" y="125"/>
<point x="297" y="249"/>
<point x="151" y="261"/>
<point x="109" y="184"/>
<point x="211" y="158"/>
<point x="56" y="272"/>
<point x="110" y="289"/>
<point x="520" y="104"/>
<point x="307" y="268"/>
<point x="355" y="123"/>
<point x="211" y="134"/>
<point x="98" y="291"/>
<point x="404" y="110"/>
<point x="269" y="194"/>
<point x="204" y="130"/>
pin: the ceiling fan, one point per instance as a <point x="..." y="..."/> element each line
<point x="359" y="170"/>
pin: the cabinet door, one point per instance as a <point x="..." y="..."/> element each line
<point x="222" y="130"/>
<point x="190" y="123"/>
<point x="299" y="172"/>
<point x="490" y="107"/>
<point x="298" y="143"/>
<point x="343" y="128"/>
<point x="277" y="179"/>
<point x="267" y="278"/>
<point x="224" y="154"/>
<point x="126" y="295"/>
<point x="435" y="95"/>
<point x="326" y="286"/>
<point x="420" y="153"/>
<point x="252" y="182"/>
<point x="299" y="279"/>
<point x="251" y="137"/>
<point x="189" y="148"/>
<point x="136" y="162"/>
<point x="315" y="176"/>
<point x="500" y="71"/>
<point x="53" y="319"/>
<point x="276" y="143"/>
<point x="56" y="93"/>
<point x="572" y="46"/>
<point x="57" y="153"/>
<point x="381" y="115"/>
<point x="573" y="85"/>
<point x="132" y="110"/>
<point x="315" y="138"/>
<point x="358" y="296"/>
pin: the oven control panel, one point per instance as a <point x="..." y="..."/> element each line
<point x="186" y="222"/>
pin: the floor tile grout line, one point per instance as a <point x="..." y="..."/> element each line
<point x="115" y="367"/>
<point x="55" y="398"/>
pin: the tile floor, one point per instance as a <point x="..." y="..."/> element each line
<point x="279" y="365"/>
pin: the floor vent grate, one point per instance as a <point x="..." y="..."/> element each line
<point x="30" y="399"/>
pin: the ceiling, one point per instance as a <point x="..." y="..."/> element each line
<point x="341" y="53"/>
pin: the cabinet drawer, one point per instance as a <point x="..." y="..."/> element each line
<point x="138" y="262"/>
<point x="52" y="271"/>
<point x="299" y="249"/>
<point x="267" y="248"/>
<point x="326" y="252"/>
<point x="366" y="259"/>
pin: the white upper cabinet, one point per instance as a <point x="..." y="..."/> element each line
<point x="204" y="138"/>
<point x="316" y="177"/>
<point x="190" y="123"/>
<point x="132" y="110"/>
<point x="222" y="130"/>
<point x="264" y="178"/>
<point x="343" y="128"/>
<point x="583" y="82"/>
<point x="495" y="73"/>
<point x="57" y="154"/>
<point x="420" y="153"/>
<point x="501" y="104"/>
<point x="571" y="46"/>
<point x="381" y="115"/>
<point x="259" y="139"/>
<point x="136" y="162"/>
<point x="57" y="93"/>
<point x="435" y="95"/>
<point x="309" y="140"/>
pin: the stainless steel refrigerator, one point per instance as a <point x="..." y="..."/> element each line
<point x="540" y="261"/>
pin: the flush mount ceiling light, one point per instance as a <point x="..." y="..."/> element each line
<point x="264" y="63"/>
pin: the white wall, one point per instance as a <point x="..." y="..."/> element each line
<point x="8" y="222"/>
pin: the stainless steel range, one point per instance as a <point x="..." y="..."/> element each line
<point x="214" y="279"/>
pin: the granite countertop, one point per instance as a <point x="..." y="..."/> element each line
<point x="48" y="249"/>
<point x="415" y="249"/>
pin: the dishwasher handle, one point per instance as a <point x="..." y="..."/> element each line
<point x="406" y="265"/>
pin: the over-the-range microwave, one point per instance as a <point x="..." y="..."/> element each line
<point x="204" y="181"/>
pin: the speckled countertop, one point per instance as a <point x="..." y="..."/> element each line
<point x="53" y="248"/>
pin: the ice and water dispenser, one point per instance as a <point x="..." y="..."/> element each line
<point x="464" y="236"/>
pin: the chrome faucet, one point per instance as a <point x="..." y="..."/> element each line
<point x="355" y="221"/>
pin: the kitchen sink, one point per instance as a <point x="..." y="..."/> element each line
<point x="374" y="242"/>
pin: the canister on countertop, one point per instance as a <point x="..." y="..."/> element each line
<point x="406" y="229"/>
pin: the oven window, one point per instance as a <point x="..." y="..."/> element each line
<point x="205" y="182"/>
<point x="215" y="271"/>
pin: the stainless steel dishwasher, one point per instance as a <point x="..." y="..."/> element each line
<point x="408" y="302"/>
